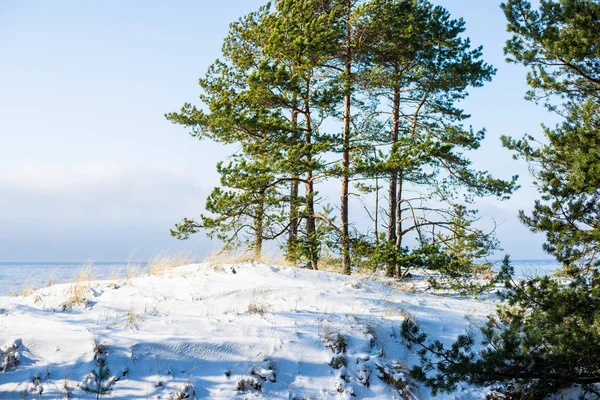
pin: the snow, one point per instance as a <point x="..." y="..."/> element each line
<point x="239" y="331"/>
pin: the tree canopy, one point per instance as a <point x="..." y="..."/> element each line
<point x="364" y="92"/>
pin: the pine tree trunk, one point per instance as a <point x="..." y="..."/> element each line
<point x="376" y="214"/>
<point x="294" y="212"/>
<point x="393" y="201"/>
<point x="259" y="229"/>
<point x="291" y="253"/>
<point x="311" y="231"/>
<point x="311" y="226"/>
<point x="345" y="187"/>
<point x="399" y="235"/>
<point x="346" y="266"/>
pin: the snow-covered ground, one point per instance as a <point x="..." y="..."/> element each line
<point x="220" y="332"/>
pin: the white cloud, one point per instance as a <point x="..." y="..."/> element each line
<point x="115" y="206"/>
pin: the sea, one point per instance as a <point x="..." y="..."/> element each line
<point x="16" y="276"/>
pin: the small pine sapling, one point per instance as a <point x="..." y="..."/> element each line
<point x="99" y="381"/>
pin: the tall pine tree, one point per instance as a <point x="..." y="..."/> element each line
<point x="422" y="69"/>
<point x="545" y="339"/>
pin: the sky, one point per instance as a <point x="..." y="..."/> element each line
<point x="91" y="169"/>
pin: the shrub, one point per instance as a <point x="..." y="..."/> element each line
<point x="248" y="384"/>
<point x="543" y="340"/>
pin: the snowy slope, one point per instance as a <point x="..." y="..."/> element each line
<point x="218" y="331"/>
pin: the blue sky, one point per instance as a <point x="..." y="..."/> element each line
<point x="89" y="167"/>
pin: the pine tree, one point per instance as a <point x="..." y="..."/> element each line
<point x="456" y="255"/>
<point x="292" y="69"/>
<point x="545" y="338"/>
<point x="99" y="381"/>
<point x="350" y="51"/>
<point x="302" y="38"/>
<point x="422" y="68"/>
<point x="559" y="42"/>
<point x="265" y="97"/>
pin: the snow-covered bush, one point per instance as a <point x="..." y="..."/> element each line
<point x="10" y="357"/>
<point x="257" y="308"/>
<point x="335" y="341"/>
<point x="265" y="371"/>
<point x="186" y="391"/>
<point x="397" y="376"/>
<point x="248" y="385"/>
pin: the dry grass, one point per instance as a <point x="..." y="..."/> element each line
<point x="248" y="385"/>
<point x="330" y="263"/>
<point x="27" y="289"/>
<point x="392" y="311"/>
<point x="84" y="274"/>
<point x="219" y="259"/>
<point x="404" y="287"/>
<point x="275" y="259"/>
<point x="154" y="310"/>
<point x="222" y="258"/>
<point x="162" y="263"/>
<point x="78" y="295"/>
<point x="130" y="320"/>
<point x="67" y="390"/>
<point x="52" y="278"/>
<point x="332" y="338"/>
<point x="116" y="273"/>
<point x="132" y="270"/>
<point x="397" y="376"/>
<point x="257" y="308"/>
<point x="79" y="291"/>
<point x="133" y="319"/>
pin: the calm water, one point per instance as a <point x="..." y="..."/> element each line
<point x="16" y="275"/>
<point x="531" y="268"/>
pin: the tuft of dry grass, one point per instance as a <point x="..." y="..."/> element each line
<point x="162" y="263"/>
<point x="133" y="319"/>
<point x="275" y="259"/>
<point x="186" y="391"/>
<point x="66" y="389"/>
<point x="257" y="308"/>
<point x="132" y="270"/>
<point x="79" y="291"/>
<point x="28" y="288"/>
<point x="84" y="274"/>
<point x="397" y="375"/>
<point x="116" y="273"/>
<point x="52" y="278"/>
<point x="330" y="263"/>
<point x="220" y="258"/>
<point x="333" y="339"/>
<point x="78" y="294"/>
<point x="154" y="310"/>
<point x="404" y="287"/>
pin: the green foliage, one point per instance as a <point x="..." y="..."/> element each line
<point x="567" y="173"/>
<point x="559" y="43"/>
<point x="419" y="55"/>
<point x="420" y="67"/>
<point x="99" y="381"/>
<point x="457" y="256"/>
<point x="301" y="90"/>
<point x="544" y="339"/>
<point x="369" y="255"/>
